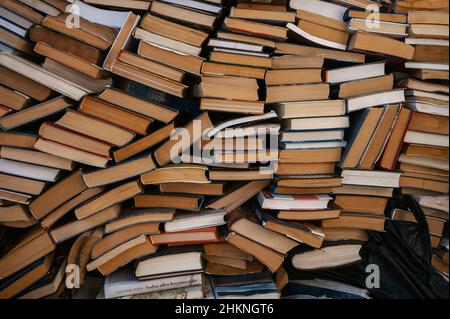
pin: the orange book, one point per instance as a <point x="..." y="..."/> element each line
<point x="189" y="237"/>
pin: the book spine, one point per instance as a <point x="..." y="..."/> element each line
<point x="142" y="287"/>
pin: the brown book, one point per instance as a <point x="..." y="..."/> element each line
<point x="94" y="264"/>
<point x="57" y="195"/>
<point x="109" y="198"/>
<point x="122" y="40"/>
<point x="426" y="151"/>
<point x="36" y="244"/>
<point x="422" y="169"/>
<point x="429" y="123"/>
<point x="393" y="148"/>
<point x="119" y="172"/>
<point x="17" y="140"/>
<point x="173" y="30"/>
<point x="293" y="76"/>
<point x="319" y="182"/>
<point x="96" y="35"/>
<point x="34" y="157"/>
<point x="14" y="213"/>
<point x="23" y="10"/>
<point x="310" y="156"/>
<point x="16" y="42"/>
<point x="68" y="206"/>
<point x="182" y="14"/>
<point x="191" y="203"/>
<point x="9" y="197"/>
<point x="4" y="110"/>
<point x="126" y="257"/>
<point x="120" y="117"/>
<point x="78" y="227"/>
<point x="256" y="29"/>
<point x="431" y="53"/>
<point x="221" y="69"/>
<point x="428" y="17"/>
<point x="183" y="62"/>
<point x="333" y="212"/>
<point x="304" y="50"/>
<point x="425" y="176"/>
<point x="241" y="59"/>
<point x="28" y="279"/>
<point x="226" y="250"/>
<point x="433" y="31"/>
<point x="228" y="267"/>
<point x="430" y="74"/>
<point x="65" y="43"/>
<point x="262" y="15"/>
<point x="356" y="221"/>
<point x="341" y="234"/>
<point x="67" y="137"/>
<point x="70" y="60"/>
<point x="13" y="99"/>
<point x="145" y="143"/>
<point x="387" y="17"/>
<point x="163" y="153"/>
<point x="117" y="238"/>
<point x="20" y="184"/>
<point x="134" y="104"/>
<point x="287" y="62"/>
<point x="35" y="112"/>
<point x="380" y="138"/>
<point x="366" y="42"/>
<point x="242" y="89"/>
<point x="284" y="169"/>
<point x="151" y="66"/>
<point x="356" y="149"/>
<point x="324" y="32"/>
<point x="366" y="86"/>
<point x="240" y="175"/>
<point x="301" y="191"/>
<point x="239" y="196"/>
<point x="419" y="183"/>
<point x="219" y="105"/>
<point x="137" y="217"/>
<point x="177" y="174"/>
<point x="149" y="79"/>
<point x="423" y="86"/>
<point x="268" y="257"/>
<point x="93" y="127"/>
<point x="362" y="204"/>
<point x="435" y="225"/>
<point x="24" y="85"/>
<point x="321" y="20"/>
<point x="292" y="93"/>
<point x="262" y="5"/>
<point x="230" y="262"/>
<point x="213" y="189"/>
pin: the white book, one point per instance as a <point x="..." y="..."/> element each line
<point x="196" y="5"/>
<point x="424" y="161"/>
<point x="253" y="130"/>
<point x="109" y="18"/>
<point x="326" y="9"/>
<point x="427" y="66"/>
<point x="15" y="18"/>
<point x="14" y="28"/>
<point x="317" y="123"/>
<point x="123" y="283"/>
<point x="314" y="145"/>
<point x="427" y="41"/>
<point x="356" y="72"/>
<point x="375" y="99"/>
<point x="312" y="136"/>
<point x="268" y="200"/>
<point x="428" y="108"/>
<point x="160" y="41"/>
<point x="235" y="45"/>
<point x="195" y="221"/>
<point x="413" y="137"/>
<point x="39" y="74"/>
<point x="430" y="95"/>
<point x="315" y="39"/>
<point x="232" y="51"/>
<point x="371" y="178"/>
<point x="434" y="202"/>
<point x="26" y="170"/>
<point x="240" y="121"/>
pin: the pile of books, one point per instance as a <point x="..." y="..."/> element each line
<point x="210" y="149"/>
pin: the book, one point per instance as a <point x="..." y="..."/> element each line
<point x="138" y="216"/>
<point x="27" y="170"/>
<point x="177" y="173"/>
<point x="286" y="202"/>
<point x="191" y="203"/>
<point x="187" y="222"/>
<point x="190" y="237"/>
<point x="352" y="73"/>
